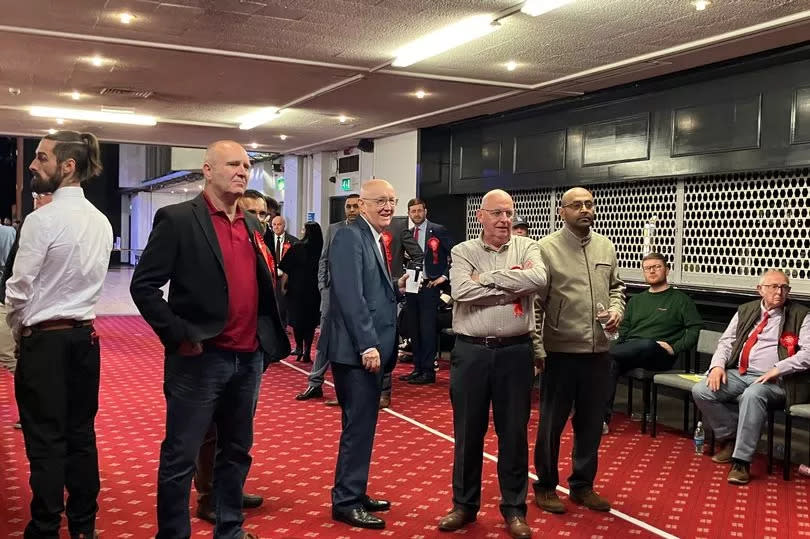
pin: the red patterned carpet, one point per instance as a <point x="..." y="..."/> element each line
<point x="658" y="482"/>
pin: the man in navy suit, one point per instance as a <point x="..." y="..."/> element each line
<point x="359" y="341"/>
<point x="422" y="308"/>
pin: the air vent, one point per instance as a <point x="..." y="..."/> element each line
<point x="126" y="92"/>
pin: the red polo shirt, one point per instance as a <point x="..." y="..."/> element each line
<point x="239" y="258"/>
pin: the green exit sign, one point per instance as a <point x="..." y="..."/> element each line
<point x="346" y="184"/>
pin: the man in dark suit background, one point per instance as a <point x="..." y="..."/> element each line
<point x="351" y="210"/>
<point x="219" y="327"/>
<point x="359" y="341"/>
<point x="279" y="241"/>
<point x="422" y="307"/>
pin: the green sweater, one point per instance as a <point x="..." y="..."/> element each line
<point x="669" y="316"/>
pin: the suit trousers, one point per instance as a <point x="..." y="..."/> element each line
<point x="578" y="380"/>
<point x="422" y="312"/>
<point x="8" y="359"/>
<point x="358" y="392"/>
<point x="217" y="386"/>
<point x="502" y="376"/>
<point x="744" y="422"/>
<point x="321" y="363"/>
<point x="56" y="385"/>
<point x="634" y="354"/>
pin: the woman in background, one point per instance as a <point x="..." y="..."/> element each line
<point x="300" y="267"/>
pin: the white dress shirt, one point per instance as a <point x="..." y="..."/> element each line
<point x="61" y="263"/>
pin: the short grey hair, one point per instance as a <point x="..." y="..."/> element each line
<point x="771" y="271"/>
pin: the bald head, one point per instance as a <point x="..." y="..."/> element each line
<point x="279" y="225"/>
<point x="577" y="210"/>
<point x="377" y="203"/>
<point x="225" y="168"/>
<point x="495" y="216"/>
<point x="575" y="193"/>
<point x="496" y="197"/>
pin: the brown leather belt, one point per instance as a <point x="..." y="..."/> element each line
<point x="495" y="342"/>
<point x="52" y="325"/>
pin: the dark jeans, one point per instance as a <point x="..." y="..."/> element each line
<point x="422" y="311"/>
<point x="638" y="353"/>
<point x="204" y="470"/>
<point x="56" y="385"/>
<point x="358" y="392"/>
<point x="219" y="386"/>
<point x="501" y="376"/>
<point x="571" y="380"/>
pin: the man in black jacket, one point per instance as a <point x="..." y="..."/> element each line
<point x="220" y="327"/>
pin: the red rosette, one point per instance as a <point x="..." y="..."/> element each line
<point x="271" y="263"/>
<point x="284" y="248"/>
<point x="433" y="245"/>
<point x="790" y="341"/>
<point x="387" y="238"/>
<point x="518" y="302"/>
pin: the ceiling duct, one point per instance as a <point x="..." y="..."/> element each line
<point x="126" y="92"/>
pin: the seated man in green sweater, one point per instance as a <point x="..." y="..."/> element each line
<point x="658" y="324"/>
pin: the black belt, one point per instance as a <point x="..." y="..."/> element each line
<point x="495" y="342"/>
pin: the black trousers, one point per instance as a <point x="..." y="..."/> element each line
<point x="422" y="312"/>
<point x="56" y="386"/>
<point x="579" y="380"/>
<point x="501" y="376"/>
<point x="638" y="353"/>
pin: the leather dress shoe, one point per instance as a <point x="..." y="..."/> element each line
<point x="423" y="379"/>
<point x="251" y="501"/>
<point x="311" y="392"/>
<point x="518" y="528"/>
<point x="385" y="401"/>
<point x="371" y="505"/>
<point x="206" y="514"/>
<point x="333" y="402"/>
<point x="359" y="518"/>
<point x="455" y="520"/>
<point x="410" y="376"/>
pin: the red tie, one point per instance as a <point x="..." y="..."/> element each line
<point x="416" y="233"/>
<point x="749" y="344"/>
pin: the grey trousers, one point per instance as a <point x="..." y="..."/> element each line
<point x="727" y="419"/>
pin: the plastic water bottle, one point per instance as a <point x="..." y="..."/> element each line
<point x="804" y="469"/>
<point x="648" y="236"/>
<point x="700" y="437"/>
<point x="603" y="319"/>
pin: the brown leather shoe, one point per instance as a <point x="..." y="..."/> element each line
<point x="455" y="520"/>
<point x="332" y="402"/>
<point x="518" y="528"/>
<point x="385" y="401"/>
<point x="723" y="455"/>
<point x="589" y="499"/>
<point x="739" y="474"/>
<point x="547" y="500"/>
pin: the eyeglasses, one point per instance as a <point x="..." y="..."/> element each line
<point x="37" y="196"/>
<point x="775" y="287"/>
<point x="579" y="204"/>
<point x="652" y="268"/>
<point x="260" y="214"/>
<point x="497" y="214"/>
<point x="382" y="202"/>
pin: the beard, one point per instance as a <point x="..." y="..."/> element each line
<point x="42" y="184"/>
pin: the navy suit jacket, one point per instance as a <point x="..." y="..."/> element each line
<point x="362" y="300"/>
<point x="436" y="263"/>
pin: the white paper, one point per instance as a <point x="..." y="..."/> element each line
<point x="412" y="283"/>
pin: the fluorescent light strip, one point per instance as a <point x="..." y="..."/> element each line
<point x="94" y="116"/>
<point x="445" y="39"/>
<point x="262" y="116"/>
<point x="538" y="7"/>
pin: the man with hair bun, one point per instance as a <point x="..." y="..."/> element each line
<point x="57" y="277"/>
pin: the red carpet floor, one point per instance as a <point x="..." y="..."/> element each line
<point x="658" y="482"/>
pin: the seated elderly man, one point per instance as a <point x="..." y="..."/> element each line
<point x="765" y="341"/>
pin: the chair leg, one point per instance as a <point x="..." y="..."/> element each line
<point x="629" y="398"/>
<point x="654" y="398"/>
<point x="786" y="461"/>
<point x="770" y="440"/>
<point x="646" y="395"/>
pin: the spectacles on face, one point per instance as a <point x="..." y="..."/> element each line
<point x="577" y="205"/>
<point x="774" y="287"/>
<point x="382" y="202"/>
<point x="497" y="214"/>
<point x="655" y="267"/>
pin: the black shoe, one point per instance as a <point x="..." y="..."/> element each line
<point x="311" y="392"/>
<point x="371" y="505"/>
<point x="251" y="501"/>
<point x="359" y="518"/>
<point x="297" y="352"/>
<point x="306" y="359"/>
<point x="410" y="376"/>
<point x="423" y="379"/>
<point x="206" y="514"/>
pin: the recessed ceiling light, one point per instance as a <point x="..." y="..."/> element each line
<point x="444" y="39"/>
<point x="52" y="131"/>
<point x="700" y="5"/>
<point x="185" y="189"/>
<point x="254" y="145"/>
<point x="511" y="65"/>
<point x="126" y="18"/>
<point x="97" y="61"/>
<point x="538" y="7"/>
<point x="94" y="115"/>
<point x="260" y="117"/>
<point x="14" y="91"/>
<point x="420" y="94"/>
<point x="60" y="121"/>
<point x="342" y="119"/>
<point x="283" y="137"/>
<point x="74" y="95"/>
